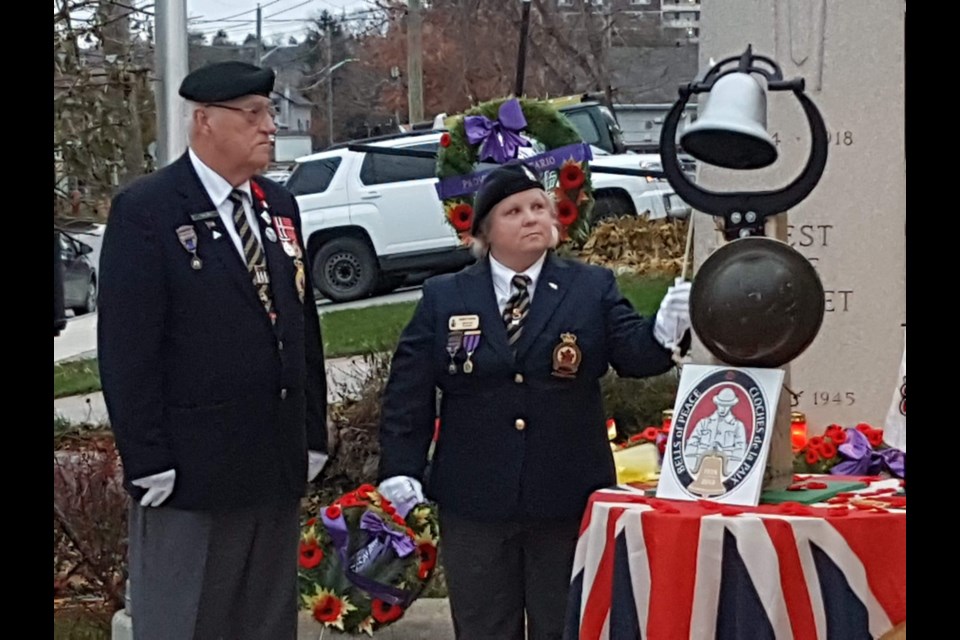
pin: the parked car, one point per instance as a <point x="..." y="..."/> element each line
<point x="370" y="219"/>
<point x="79" y="275"/>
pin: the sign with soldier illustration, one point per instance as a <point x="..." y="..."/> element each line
<point x="721" y="433"/>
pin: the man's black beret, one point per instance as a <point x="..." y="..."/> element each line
<point x="501" y="183"/>
<point x="224" y="81"/>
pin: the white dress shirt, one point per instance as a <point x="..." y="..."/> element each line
<point x="502" y="276"/>
<point x="219" y="191"/>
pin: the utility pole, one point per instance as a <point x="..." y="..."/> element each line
<point x="259" y="38"/>
<point x="522" y="53"/>
<point x="330" y="83"/>
<point x="171" y="64"/>
<point x="414" y="62"/>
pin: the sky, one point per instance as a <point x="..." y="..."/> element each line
<point x="280" y="17"/>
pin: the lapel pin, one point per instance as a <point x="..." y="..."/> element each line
<point x="216" y="234"/>
<point x="553" y="285"/>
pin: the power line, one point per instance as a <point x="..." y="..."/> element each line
<point x="242" y="13"/>
<point x="289" y="8"/>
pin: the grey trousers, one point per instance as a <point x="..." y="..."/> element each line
<point x="497" y="572"/>
<point x="226" y="575"/>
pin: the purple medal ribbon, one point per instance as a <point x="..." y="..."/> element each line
<point x="471" y="341"/>
<point x="501" y="137"/>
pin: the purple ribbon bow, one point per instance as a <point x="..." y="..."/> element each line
<point x="501" y="137"/>
<point x="860" y="459"/>
<point x="399" y="540"/>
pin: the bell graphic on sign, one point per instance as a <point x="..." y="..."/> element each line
<point x="709" y="480"/>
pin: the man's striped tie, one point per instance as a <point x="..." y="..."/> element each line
<point x="252" y="253"/>
<point x="517" y="308"/>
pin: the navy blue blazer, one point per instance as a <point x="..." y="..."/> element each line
<point x="516" y="441"/>
<point x="195" y="376"/>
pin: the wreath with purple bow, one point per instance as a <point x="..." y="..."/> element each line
<point x="493" y="133"/>
<point x="364" y="560"/>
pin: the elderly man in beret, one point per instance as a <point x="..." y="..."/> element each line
<point x="516" y="344"/>
<point x="213" y="374"/>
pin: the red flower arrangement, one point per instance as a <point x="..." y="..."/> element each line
<point x="445" y="140"/>
<point x="857" y="452"/>
<point x="364" y="538"/>
<point x="571" y="176"/>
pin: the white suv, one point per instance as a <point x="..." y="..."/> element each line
<point x="372" y="219"/>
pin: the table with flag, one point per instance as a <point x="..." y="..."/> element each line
<point x="833" y="568"/>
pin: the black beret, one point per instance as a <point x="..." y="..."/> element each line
<point x="501" y="183"/>
<point x="224" y="81"/>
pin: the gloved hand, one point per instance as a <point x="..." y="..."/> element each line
<point x="673" y="318"/>
<point x="159" y="487"/>
<point x="316" y="460"/>
<point x="401" y="490"/>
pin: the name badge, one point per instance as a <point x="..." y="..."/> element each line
<point x="464" y="323"/>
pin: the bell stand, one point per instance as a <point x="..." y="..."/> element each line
<point x="746" y="214"/>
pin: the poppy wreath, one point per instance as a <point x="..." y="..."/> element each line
<point x="857" y="451"/>
<point x="362" y="563"/>
<point x="499" y="123"/>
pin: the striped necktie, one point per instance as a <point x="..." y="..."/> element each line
<point x="252" y="253"/>
<point x="517" y="308"/>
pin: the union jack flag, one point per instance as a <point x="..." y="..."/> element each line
<point x="662" y="570"/>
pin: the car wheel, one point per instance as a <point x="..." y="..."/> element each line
<point x="90" y="302"/>
<point x="345" y="269"/>
<point x="612" y="205"/>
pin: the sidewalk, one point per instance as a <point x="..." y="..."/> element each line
<point x="426" y="619"/>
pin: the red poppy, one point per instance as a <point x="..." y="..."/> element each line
<point x="875" y="437"/>
<point x="311" y="522"/>
<point x="351" y="500"/>
<point x="333" y="512"/>
<point x="812" y="456"/>
<point x="650" y="433"/>
<point x="815" y="442"/>
<point x="864" y="428"/>
<point x="445" y="140"/>
<point x="571" y="176"/>
<point x="383" y="612"/>
<point x="462" y="217"/>
<point x="328" y="609"/>
<point x="257" y="191"/>
<point x="839" y="437"/>
<point x="828" y="450"/>
<point x="364" y="490"/>
<point x="833" y="428"/>
<point x="311" y="554"/>
<point x="567" y="213"/>
<point x="816" y="485"/>
<point x="428" y="555"/>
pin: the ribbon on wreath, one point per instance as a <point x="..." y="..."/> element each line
<point x="861" y="459"/>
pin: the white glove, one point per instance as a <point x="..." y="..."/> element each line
<point x="159" y="487"/>
<point x="315" y="463"/>
<point x="401" y="490"/>
<point x="673" y="318"/>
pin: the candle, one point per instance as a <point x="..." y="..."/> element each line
<point x="798" y="430"/>
<point x="667" y="420"/>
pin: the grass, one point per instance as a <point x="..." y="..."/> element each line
<point x="75" y="378"/>
<point x="370" y="329"/>
<point x="355" y="331"/>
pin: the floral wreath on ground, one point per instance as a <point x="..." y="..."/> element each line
<point x="362" y="563"/>
<point x="650" y="435"/>
<point x="490" y="133"/>
<point x="858" y="451"/>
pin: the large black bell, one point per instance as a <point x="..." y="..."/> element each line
<point x="756" y="302"/>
